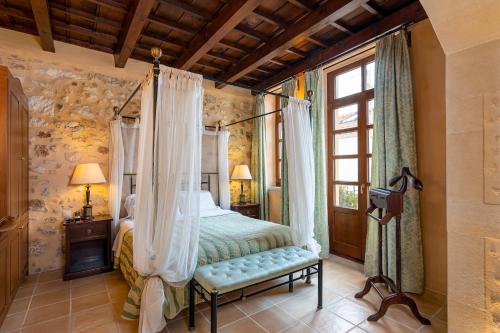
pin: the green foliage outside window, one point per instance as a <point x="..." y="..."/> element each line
<point x="348" y="198"/>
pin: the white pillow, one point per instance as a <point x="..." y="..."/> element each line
<point x="206" y="201"/>
<point x="130" y="205"/>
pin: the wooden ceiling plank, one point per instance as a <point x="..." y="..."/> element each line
<point x="342" y="28"/>
<point x="221" y="56"/>
<point x="235" y="46"/>
<point x="158" y="38"/>
<point x="372" y="10"/>
<point x="228" y="18"/>
<point x="171" y="24"/>
<point x="301" y="4"/>
<point x="270" y="17"/>
<point x="190" y="9"/>
<point x="252" y="33"/>
<point x="85" y="15"/>
<point x="331" y="11"/>
<point x="296" y="51"/>
<point x="114" y="5"/>
<point x="82" y="43"/>
<point x="84" y="31"/>
<point x="317" y="41"/>
<point x="278" y="62"/>
<point x="212" y="65"/>
<point x="136" y="20"/>
<point x="40" y="10"/>
<point x="9" y="11"/>
<point x="410" y="13"/>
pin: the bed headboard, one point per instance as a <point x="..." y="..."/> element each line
<point x="209" y="169"/>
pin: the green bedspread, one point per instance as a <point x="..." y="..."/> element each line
<point x="221" y="238"/>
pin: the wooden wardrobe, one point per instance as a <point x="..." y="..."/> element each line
<point x="13" y="188"/>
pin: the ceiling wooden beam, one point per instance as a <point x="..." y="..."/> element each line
<point x="317" y="41"/>
<point x="171" y="24"/>
<point x="84" y="31"/>
<point x="342" y="28"/>
<point x="252" y="33"/>
<point x="235" y="46"/>
<point x="331" y="11"/>
<point x="9" y="11"/>
<point x="270" y="17"/>
<point x="136" y="19"/>
<point x="228" y="18"/>
<point x="372" y="10"/>
<point x="410" y="13"/>
<point x="114" y="5"/>
<point x="296" y="51"/>
<point x="160" y="39"/>
<point x="40" y="10"/>
<point x="93" y="46"/>
<point x="301" y="4"/>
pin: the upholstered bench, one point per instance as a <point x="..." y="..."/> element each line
<point x="217" y="279"/>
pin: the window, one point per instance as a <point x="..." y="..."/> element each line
<point x="350" y="132"/>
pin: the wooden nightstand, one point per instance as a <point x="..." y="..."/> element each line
<point x="88" y="247"/>
<point x="248" y="209"/>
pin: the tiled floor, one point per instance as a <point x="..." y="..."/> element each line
<point x="45" y="303"/>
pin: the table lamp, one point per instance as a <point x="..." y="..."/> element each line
<point x="86" y="174"/>
<point x="241" y="172"/>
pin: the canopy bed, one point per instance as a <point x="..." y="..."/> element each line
<point x="173" y="223"/>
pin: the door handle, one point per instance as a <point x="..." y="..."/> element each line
<point x="362" y="188"/>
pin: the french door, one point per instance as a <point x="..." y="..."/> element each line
<point x="350" y="132"/>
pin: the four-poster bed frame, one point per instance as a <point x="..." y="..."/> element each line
<point x="156" y="53"/>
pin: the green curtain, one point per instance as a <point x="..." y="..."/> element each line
<point x="394" y="147"/>
<point x="287" y="88"/>
<point x="258" y="159"/>
<point x="314" y="82"/>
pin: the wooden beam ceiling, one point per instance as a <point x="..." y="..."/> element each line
<point x="41" y="14"/>
<point x="228" y="18"/>
<point x="411" y="13"/>
<point x="136" y="20"/>
<point x="329" y="12"/>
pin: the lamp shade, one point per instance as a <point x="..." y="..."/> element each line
<point x="87" y="173"/>
<point x="241" y="172"/>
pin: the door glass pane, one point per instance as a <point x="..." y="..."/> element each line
<point x="280" y="145"/>
<point x="279" y="169"/>
<point x="370" y="140"/>
<point x="346" y="196"/>
<point x="370" y="75"/>
<point x="280" y="129"/>
<point x="369" y="169"/>
<point x="346" y="169"/>
<point x="371" y="106"/>
<point x="346" y="143"/>
<point x="346" y="117"/>
<point x="348" y="83"/>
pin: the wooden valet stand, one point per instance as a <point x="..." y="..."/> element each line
<point x="392" y="202"/>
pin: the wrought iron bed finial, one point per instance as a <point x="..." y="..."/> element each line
<point x="156" y="53"/>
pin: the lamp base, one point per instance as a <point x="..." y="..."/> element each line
<point x="87" y="212"/>
<point x="243" y="200"/>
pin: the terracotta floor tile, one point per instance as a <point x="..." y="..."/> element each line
<point x="106" y="328"/>
<point x="299" y="328"/>
<point x="90" y="301"/>
<point x="300" y="305"/>
<point x="50" y="276"/>
<point x="60" y="325"/>
<point x="13" y="322"/>
<point x="20" y="305"/>
<point x="118" y="292"/>
<point x="326" y="321"/>
<point x="278" y="295"/>
<point x="92" y="318"/>
<point x="24" y="292"/>
<point x="225" y="314"/>
<point x="385" y="325"/>
<point x="47" y="312"/>
<point x="49" y="298"/>
<point x="442" y="314"/>
<point x="274" y="319"/>
<point x="50" y="286"/>
<point x="357" y="330"/>
<point x="180" y="325"/>
<point x="403" y="315"/>
<point x="87" y="289"/>
<point x="245" y="325"/>
<point x="30" y="279"/>
<point x="93" y="279"/>
<point x="349" y="311"/>
<point x="253" y="304"/>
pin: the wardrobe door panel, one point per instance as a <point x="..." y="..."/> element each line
<point x="4" y="277"/>
<point x="14" y="156"/>
<point x="23" y="250"/>
<point x="24" y="159"/>
<point x="4" y="144"/>
<point x="14" y="275"/>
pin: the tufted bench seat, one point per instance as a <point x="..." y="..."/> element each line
<point x="239" y="273"/>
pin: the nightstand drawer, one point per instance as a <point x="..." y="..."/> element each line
<point x="249" y="211"/>
<point x="86" y="231"/>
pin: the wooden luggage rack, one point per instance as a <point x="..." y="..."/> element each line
<point x="392" y="202"/>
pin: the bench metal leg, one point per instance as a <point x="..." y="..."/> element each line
<point x="308" y="278"/>
<point x="290" y="283"/>
<point x="213" y="312"/>
<point x="192" y="305"/>
<point x="320" y="284"/>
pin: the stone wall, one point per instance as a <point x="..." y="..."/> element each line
<point x="70" y="110"/>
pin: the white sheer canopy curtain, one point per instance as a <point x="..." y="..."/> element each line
<point x="167" y="229"/>
<point x="116" y="167"/>
<point x="223" y="162"/>
<point x="298" y="140"/>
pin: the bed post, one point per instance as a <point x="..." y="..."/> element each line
<point x="309" y="98"/>
<point x="320" y="284"/>
<point x="213" y="311"/>
<point x="156" y="54"/>
<point x="192" y="305"/>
